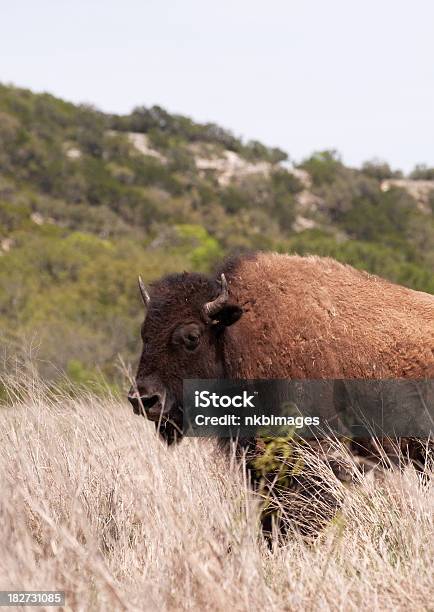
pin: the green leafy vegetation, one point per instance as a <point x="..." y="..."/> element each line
<point x="422" y="173"/>
<point x="89" y="200"/>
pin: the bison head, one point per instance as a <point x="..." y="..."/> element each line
<point x="183" y="332"/>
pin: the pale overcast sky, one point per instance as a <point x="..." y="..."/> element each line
<point x="355" y="75"/>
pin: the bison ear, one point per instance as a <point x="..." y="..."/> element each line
<point x="228" y="315"/>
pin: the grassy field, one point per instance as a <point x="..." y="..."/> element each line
<point x="94" y="504"/>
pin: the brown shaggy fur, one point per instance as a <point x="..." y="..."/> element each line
<point x="287" y="317"/>
<point x="312" y="317"/>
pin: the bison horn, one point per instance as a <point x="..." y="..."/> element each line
<point x="212" y="308"/>
<point x="145" y="295"/>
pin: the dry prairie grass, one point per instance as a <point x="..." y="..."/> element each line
<point x="93" y="503"/>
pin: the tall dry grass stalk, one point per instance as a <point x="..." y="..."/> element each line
<point x="94" y="504"/>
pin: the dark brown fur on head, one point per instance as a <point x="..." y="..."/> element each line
<point x="175" y="300"/>
<point x="180" y="342"/>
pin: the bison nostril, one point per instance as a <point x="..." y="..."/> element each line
<point x="144" y="403"/>
<point x="149" y="401"/>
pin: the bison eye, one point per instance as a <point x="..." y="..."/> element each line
<point x="191" y="340"/>
<point x="188" y="336"/>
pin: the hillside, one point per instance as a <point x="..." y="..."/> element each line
<point x="88" y="200"/>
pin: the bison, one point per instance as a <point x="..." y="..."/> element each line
<point x="266" y="316"/>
